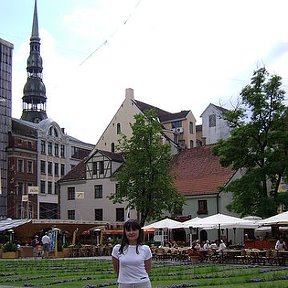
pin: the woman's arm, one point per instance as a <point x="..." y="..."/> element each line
<point x="115" y="263"/>
<point x="147" y="264"/>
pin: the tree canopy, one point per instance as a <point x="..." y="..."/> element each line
<point x="258" y="145"/>
<point x="144" y="179"/>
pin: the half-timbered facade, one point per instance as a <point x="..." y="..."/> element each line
<point x="85" y="190"/>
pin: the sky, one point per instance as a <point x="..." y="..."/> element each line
<point x="175" y="54"/>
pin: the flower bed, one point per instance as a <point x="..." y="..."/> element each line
<point x="94" y="273"/>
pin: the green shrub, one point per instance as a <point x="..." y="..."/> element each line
<point x="10" y="247"/>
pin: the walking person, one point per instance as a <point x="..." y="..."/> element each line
<point x="35" y="243"/>
<point x="46" y="244"/>
<point x="131" y="259"/>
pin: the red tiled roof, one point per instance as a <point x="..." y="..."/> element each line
<point x="197" y="171"/>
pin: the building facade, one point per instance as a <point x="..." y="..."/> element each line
<point x="39" y="151"/>
<point x="85" y="190"/>
<point x="214" y="125"/>
<point x="6" y="53"/>
<point x="178" y="128"/>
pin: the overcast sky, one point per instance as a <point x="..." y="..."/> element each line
<point x="175" y="54"/>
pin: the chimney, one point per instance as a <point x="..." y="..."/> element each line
<point x="129" y="93"/>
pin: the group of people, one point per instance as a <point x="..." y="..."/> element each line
<point x="196" y="246"/>
<point x="41" y="247"/>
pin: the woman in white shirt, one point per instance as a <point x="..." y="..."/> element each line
<point x="131" y="259"/>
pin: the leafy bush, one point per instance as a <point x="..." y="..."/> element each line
<point x="10" y="247"/>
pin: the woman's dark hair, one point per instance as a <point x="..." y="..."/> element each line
<point x="131" y="224"/>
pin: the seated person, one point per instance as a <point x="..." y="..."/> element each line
<point x="280" y="245"/>
<point x="213" y="246"/>
<point x="206" y="245"/>
<point x="222" y="246"/>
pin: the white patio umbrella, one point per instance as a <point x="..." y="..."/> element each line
<point x="166" y="223"/>
<point x="224" y="221"/>
<point x="279" y="219"/>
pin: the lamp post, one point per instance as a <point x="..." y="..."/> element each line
<point x="11" y="235"/>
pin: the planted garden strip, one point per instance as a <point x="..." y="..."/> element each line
<point x="94" y="273"/>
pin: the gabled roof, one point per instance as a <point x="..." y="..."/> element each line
<point x="116" y="157"/>
<point x="79" y="171"/>
<point x="161" y="114"/>
<point x="221" y="109"/>
<point x="198" y="172"/>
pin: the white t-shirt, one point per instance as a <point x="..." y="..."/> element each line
<point x="131" y="264"/>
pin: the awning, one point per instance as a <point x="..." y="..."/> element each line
<point x="8" y="223"/>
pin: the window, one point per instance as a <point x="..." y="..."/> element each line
<point x="176" y="124"/>
<point x="98" y="191"/>
<point x="29" y="167"/>
<point x="56" y="149"/>
<point x="101" y="167"/>
<point x="55" y="188"/>
<point x="94" y="168"/>
<point x="43" y="167"/>
<point x="191" y="130"/>
<point x="43" y="147"/>
<point x="71" y="193"/>
<point x="42" y="187"/>
<point x="55" y="132"/>
<point x="62" y="151"/>
<point x="112" y="147"/>
<point x="56" y="169"/>
<point x="191" y="143"/>
<point x="50" y="148"/>
<point x="20" y="188"/>
<point x="49" y="187"/>
<point x="71" y="214"/>
<point x="29" y="144"/>
<point x="212" y="120"/>
<point x="49" y="168"/>
<point x="98" y="214"/>
<point x="119" y="214"/>
<point x="20" y="166"/>
<point x="76" y="152"/>
<point x="202" y="207"/>
<point x="62" y="169"/>
<point x="118" y="128"/>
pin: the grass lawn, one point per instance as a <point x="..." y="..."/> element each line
<point x="94" y="273"/>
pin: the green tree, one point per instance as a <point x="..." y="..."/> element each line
<point x="258" y="145"/>
<point x="144" y="179"/>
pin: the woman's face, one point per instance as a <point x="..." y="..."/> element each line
<point x="132" y="235"/>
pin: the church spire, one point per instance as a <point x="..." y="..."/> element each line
<point x="34" y="99"/>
